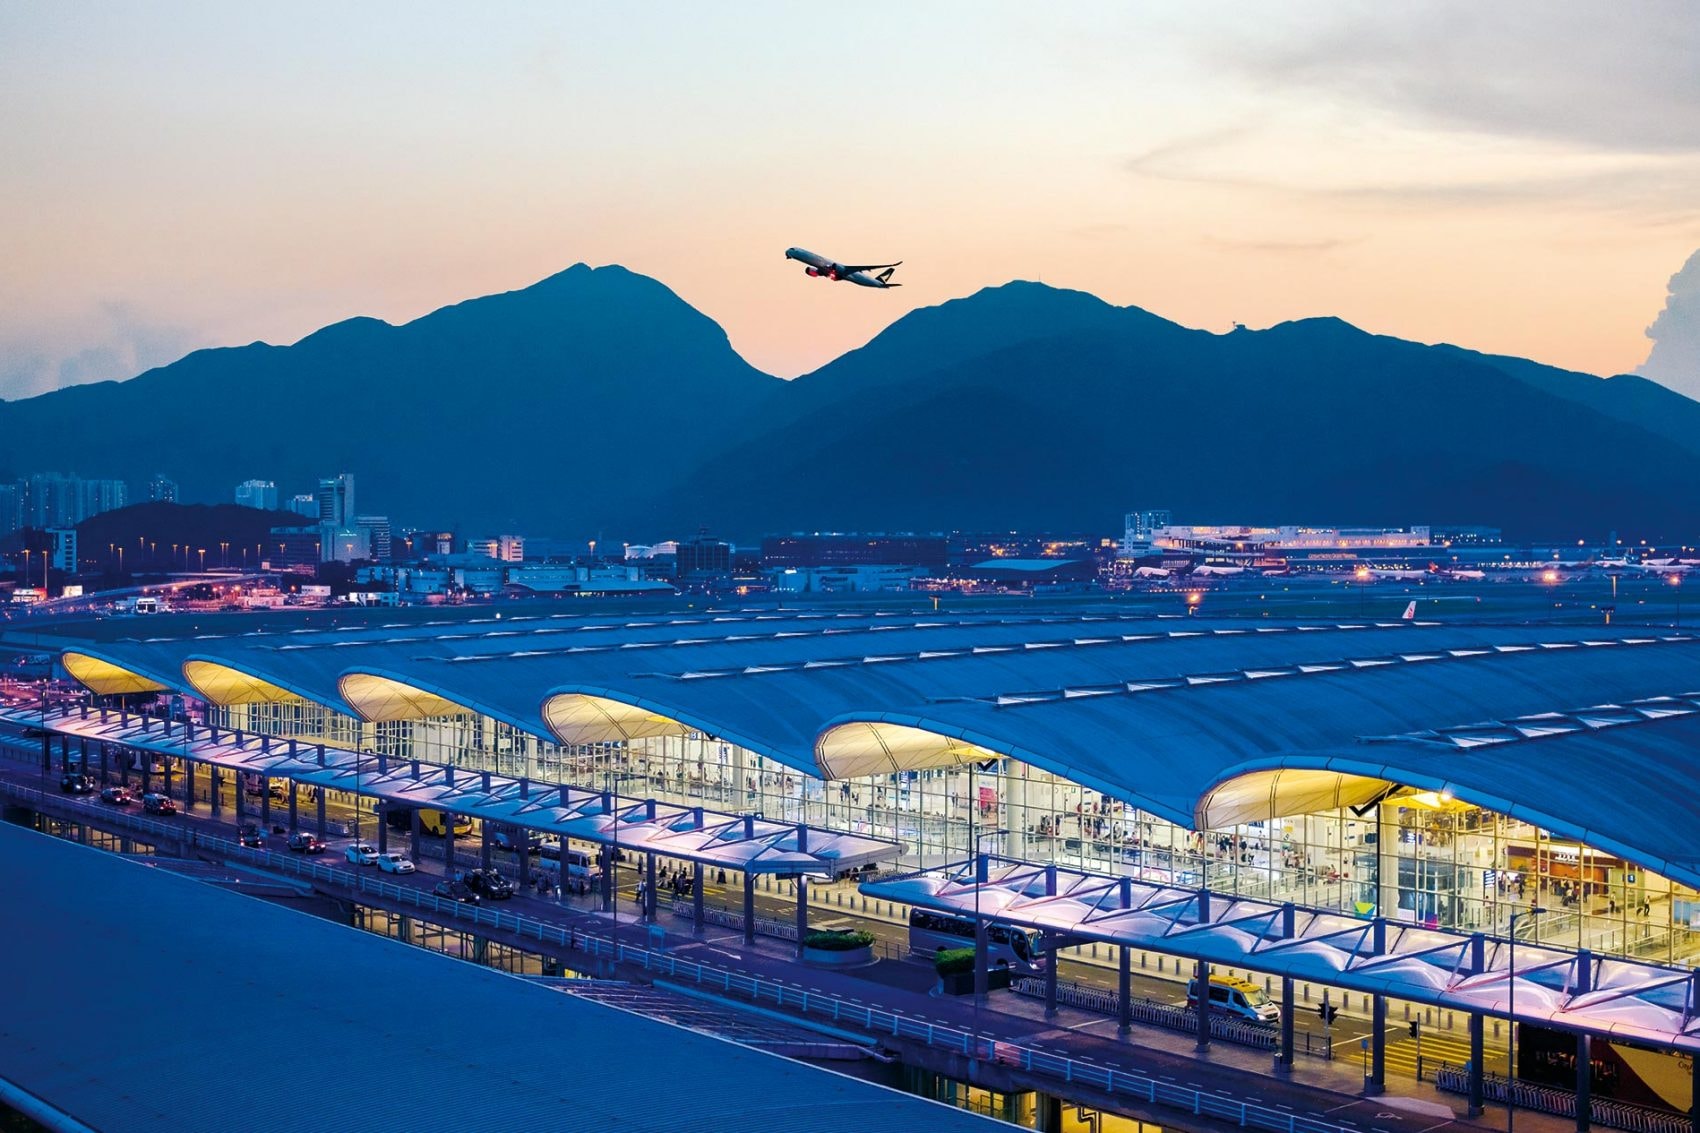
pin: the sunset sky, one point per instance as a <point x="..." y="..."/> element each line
<point x="1519" y="178"/>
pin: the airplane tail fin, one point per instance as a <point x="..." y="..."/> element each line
<point x="1410" y="613"/>
<point x="885" y="278"/>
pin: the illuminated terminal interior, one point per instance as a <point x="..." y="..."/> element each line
<point x="1003" y="754"/>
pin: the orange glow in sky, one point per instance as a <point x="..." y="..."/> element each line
<point x="1519" y="178"/>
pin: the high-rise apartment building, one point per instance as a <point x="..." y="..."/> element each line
<point x="377" y="531"/>
<point x="11" y="509"/>
<point x="336" y="500"/>
<point x="163" y="490"/>
<point x="305" y="504"/>
<point x="1139" y="527"/>
<point x="49" y="499"/>
<point x="261" y="494"/>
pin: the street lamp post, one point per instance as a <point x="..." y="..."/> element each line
<point x="1511" y="1010"/>
<point x="1676" y="581"/>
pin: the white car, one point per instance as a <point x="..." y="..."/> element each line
<point x="395" y="863"/>
<point x="360" y="853"/>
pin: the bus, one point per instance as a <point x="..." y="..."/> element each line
<point x="434" y="822"/>
<point x="1005" y="944"/>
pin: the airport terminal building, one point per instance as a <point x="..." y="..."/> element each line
<point x="1437" y="775"/>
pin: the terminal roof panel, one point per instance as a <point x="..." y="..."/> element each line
<point x="363" y="1018"/>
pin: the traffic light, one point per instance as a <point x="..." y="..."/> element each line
<point x="1413" y="1028"/>
<point x="1327" y="1011"/>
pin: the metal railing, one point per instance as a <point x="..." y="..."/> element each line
<point x="874" y="1020"/>
<point x="1608" y="1112"/>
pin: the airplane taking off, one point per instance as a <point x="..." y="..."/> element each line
<point x="822" y="268"/>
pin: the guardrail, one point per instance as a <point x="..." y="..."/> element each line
<point x="874" y="1020"/>
<point x="724" y="918"/>
<point x="1608" y="1112"/>
<point x="1167" y="1015"/>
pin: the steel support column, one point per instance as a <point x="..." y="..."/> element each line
<point x="1478" y="1052"/>
<point x="749" y="907"/>
<point x="1124" y="990"/>
<point x="188" y="784"/>
<point x="1376" y="1082"/>
<point x="802" y="912"/>
<point x="383" y="820"/>
<point x="319" y="809"/>
<point x="1201" y="997"/>
<point x="448" y="819"/>
<point x="487" y="846"/>
<point x="1050" y="979"/>
<point x="1284" y="1055"/>
<point x="266" y="802"/>
<point x="294" y="810"/>
<point x="649" y="887"/>
<point x="1584" y="1083"/>
<point x="698" y="917"/>
<point x="215" y="788"/>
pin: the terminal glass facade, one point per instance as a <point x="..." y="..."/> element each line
<point x="1411" y="857"/>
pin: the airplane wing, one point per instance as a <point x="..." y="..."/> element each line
<point x="867" y="267"/>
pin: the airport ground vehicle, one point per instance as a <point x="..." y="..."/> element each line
<point x="1005" y="944"/>
<point x="1237" y="997"/>
<point x="437" y="822"/>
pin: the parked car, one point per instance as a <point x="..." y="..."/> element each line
<point x="158" y="804"/>
<point x="360" y="853"/>
<point x="304" y="843"/>
<point x="76" y="783"/>
<point x="456" y="890"/>
<point x="251" y="835"/>
<point x="393" y="862"/>
<point x="117" y="796"/>
<point x="488" y="883"/>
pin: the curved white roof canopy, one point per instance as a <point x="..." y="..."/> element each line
<point x="104" y="678"/>
<point x="875" y="747"/>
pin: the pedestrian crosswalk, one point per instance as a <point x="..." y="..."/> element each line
<point x="1435" y="1048"/>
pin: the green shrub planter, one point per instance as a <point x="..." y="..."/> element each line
<point x="962" y="983"/>
<point x="838" y="948"/>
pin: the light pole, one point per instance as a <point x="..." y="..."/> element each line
<point x="1511" y="1035"/>
<point x="1676" y="581"/>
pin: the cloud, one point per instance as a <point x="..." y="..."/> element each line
<point x="1596" y="76"/>
<point x="109" y="342"/>
<point x="1675" y="359"/>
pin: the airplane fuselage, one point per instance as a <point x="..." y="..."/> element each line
<point x="819" y="267"/>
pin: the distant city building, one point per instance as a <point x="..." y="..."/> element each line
<point x="506" y="548"/>
<point x="702" y="559"/>
<point x="1017" y="574"/>
<point x="856" y="579"/>
<point x="651" y="550"/>
<point x="377" y="529"/>
<point x="1138" y="528"/>
<point x="163" y="490"/>
<point x="293" y="547"/>
<point x="1253" y="539"/>
<point x="64" y="548"/>
<point x="49" y="499"/>
<point x="336" y="500"/>
<point x="11" y="510"/>
<point x="1469" y="535"/>
<point x="260" y="494"/>
<point x="344" y="544"/>
<point x="824" y="550"/>
<point x="305" y="505"/>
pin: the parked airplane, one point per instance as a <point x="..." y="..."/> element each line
<point x="820" y="267"/>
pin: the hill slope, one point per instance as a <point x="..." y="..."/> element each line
<point x="598" y="401"/>
<point x="568" y="405"/>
